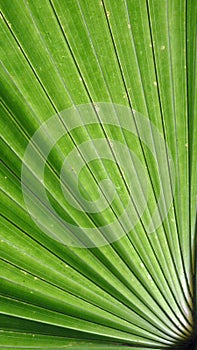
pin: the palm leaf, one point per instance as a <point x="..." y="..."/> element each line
<point x="98" y="174"/>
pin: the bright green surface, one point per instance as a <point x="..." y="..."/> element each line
<point x="60" y="54"/>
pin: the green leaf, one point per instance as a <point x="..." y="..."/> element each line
<point x="98" y="174"/>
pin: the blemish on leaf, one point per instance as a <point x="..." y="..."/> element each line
<point x="108" y="13"/>
<point x="24" y="272"/>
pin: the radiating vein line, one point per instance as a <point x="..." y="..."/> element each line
<point x="125" y="86"/>
<point x="121" y="70"/>
<point x="188" y="137"/>
<point x="176" y="141"/>
<point x="135" y="330"/>
<point x="162" y="121"/>
<point x="164" y="336"/>
<point x="174" y="208"/>
<point x="138" y="67"/>
<point x="65" y="320"/>
<point x="92" y="44"/>
<point x="52" y="252"/>
<point x="175" y="211"/>
<point x="65" y="127"/>
<point x="53" y="170"/>
<point x="91" y="99"/>
<point x="191" y="48"/>
<point x="133" y="292"/>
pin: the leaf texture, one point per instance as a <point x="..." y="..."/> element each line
<point x="98" y="114"/>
